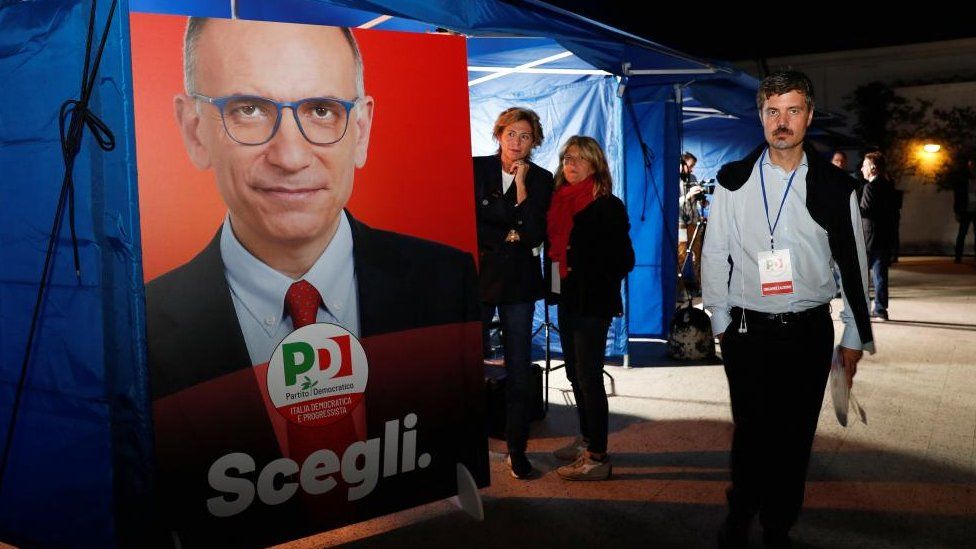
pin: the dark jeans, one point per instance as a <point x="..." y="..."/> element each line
<point x="964" y="221"/>
<point x="516" y="320"/>
<point x="878" y="261"/>
<point x="584" y="340"/>
<point x="777" y="375"/>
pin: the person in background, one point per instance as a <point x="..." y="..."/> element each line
<point x="963" y="182"/>
<point x="591" y="253"/>
<point x="511" y="199"/>
<point x="691" y="202"/>
<point x="839" y="159"/>
<point x="879" y="208"/>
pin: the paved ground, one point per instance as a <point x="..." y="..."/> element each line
<point x="906" y="479"/>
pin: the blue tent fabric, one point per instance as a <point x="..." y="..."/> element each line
<point x="584" y="108"/>
<point x="82" y="453"/>
<point x="652" y="199"/>
<point x="600" y="46"/>
<point x="715" y="142"/>
<point x="78" y="473"/>
<point x="508" y="35"/>
<point x="507" y="53"/>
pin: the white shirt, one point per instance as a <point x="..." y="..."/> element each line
<point x="737" y="228"/>
<point x="507" y="180"/>
<point x="258" y="291"/>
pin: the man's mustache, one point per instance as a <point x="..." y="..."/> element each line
<point x="786" y="131"/>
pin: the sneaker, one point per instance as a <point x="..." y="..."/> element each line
<point x="520" y="465"/>
<point x="586" y="468"/>
<point x="881" y="315"/>
<point x="572" y="451"/>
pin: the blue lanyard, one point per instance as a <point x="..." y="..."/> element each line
<point x="762" y="182"/>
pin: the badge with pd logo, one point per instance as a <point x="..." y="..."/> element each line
<point x="317" y="375"/>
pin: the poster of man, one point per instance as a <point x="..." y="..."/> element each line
<point x="313" y="329"/>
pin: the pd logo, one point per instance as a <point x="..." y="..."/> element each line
<point x="317" y="375"/>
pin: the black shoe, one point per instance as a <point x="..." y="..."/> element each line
<point x="733" y="534"/>
<point x="880" y="315"/>
<point x="520" y="465"/>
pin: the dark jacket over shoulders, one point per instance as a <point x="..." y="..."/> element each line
<point x="509" y="272"/>
<point x="829" y="192"/>
<point x="599" y="256"/>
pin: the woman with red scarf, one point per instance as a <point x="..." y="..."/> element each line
<point x="589" y="245"/>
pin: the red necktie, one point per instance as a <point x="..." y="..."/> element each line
<point x="302" y="301"/>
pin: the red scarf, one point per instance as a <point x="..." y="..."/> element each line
<point x="567" y="201"/>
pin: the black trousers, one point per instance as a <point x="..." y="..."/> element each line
<point x="584" y="340"/>
<point x="777" y="374"/>
<point x="516" y="319"/>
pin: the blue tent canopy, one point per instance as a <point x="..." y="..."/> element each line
<point x="530" y="54"/>
<point x="81" y="459"/>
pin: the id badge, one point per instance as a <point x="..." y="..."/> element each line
<point x="775" y="272"/>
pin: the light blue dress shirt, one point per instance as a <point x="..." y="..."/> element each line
<point x="258" y="291"/>
<point x="737" y="228"/>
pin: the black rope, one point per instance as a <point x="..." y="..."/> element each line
<point x="77" y="115"/>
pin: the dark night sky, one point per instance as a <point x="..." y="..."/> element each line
<point x="770" y="30"/>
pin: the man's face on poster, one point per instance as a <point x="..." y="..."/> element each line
<point x="288" y="191"/>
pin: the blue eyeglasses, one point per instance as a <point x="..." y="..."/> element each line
<point x="253" y="120"/>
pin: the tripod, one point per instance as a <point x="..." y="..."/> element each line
<point x="696" y="235"/>
<point x="549" y="327"/>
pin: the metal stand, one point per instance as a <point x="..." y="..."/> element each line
<point x="547" y="325"/>
<point x="699" y="229"/>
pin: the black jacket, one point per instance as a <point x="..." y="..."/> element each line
<point x="599" y="256"/>
<point x="208" y="403"/>
<point x="879" y="214"/>
<point x="509" y="273"/>
<point x="828" y="201"/>
<point x="959" y="181"/>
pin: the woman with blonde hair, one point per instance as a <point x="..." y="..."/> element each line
<point x="591" y="253"/>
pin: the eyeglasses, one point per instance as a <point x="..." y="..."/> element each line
<point x="570" y="159"/>
<point x="253" y="120"/>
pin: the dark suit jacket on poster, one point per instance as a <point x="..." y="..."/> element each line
<point x="419" y="321"/>
<point x="509" y="273"/>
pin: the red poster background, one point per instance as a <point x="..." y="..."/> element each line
<point x="417" y="179"/>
